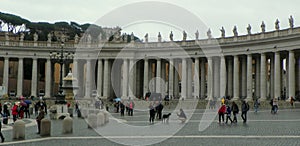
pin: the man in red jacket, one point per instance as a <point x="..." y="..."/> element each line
<point x="221" y="113"/>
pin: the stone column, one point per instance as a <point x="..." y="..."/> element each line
<point x="163" y="78"/>
<point x="249" y="77"/>
<point x="20" y="78"/>
<point x="88" y="79"/>
<point x="222" y="77"/>
<point x="158" y="76"/>
<point x="146" y="75"/>
<point x="34" y="77"/>
<point x="171" y="77"/>
<point x="216" y="77"/>
<point x="277" y="73"/>
<point x="209" y="78"/>
<point x="6" y="73"/>
<point x="196" y="79"/>
<point x="189" y="78"/>
<point x="125" y="79"/>
<point x="184" y="79"/>
<point x="176" y="79"/>
<point x="263" y="79"/>
<point x="100" y="77"/>
<point x="271" y="83"/>
<point x="106" y="79"/>
<point x="236" y="81"/>
<point x="132" y="74"/>
<point x="230" y="78"/>
<point x="291" y="79"/>
<point x="202" y="78"/>
<point x="48" y="79"/>
<point x="257" y="77"/>
<point x="244" y="77"/>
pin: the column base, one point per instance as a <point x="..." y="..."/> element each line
<point x="263" y="99"/>
<point x="235" y="98"/>
<point x="249" y="98"/>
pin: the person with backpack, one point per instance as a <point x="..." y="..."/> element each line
<point x="256" y="105"/>
<point x="221" y="113"/>
<point x="235" y="111"/>
<point x="245" y="109"/>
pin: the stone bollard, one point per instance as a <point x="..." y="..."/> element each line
<point x="106" y="116"/>
<point x="45" y="127"/>
<point x="67" y="125"/>
<point x="84" y="113"/>
<point x="92" y="121"/>
<point x="19" y="130"/>
<point x="100" y="119"/>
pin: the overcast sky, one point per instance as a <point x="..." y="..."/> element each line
<point x="213" y="13"/>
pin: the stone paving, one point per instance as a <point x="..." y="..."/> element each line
<point x="262" y="128"/>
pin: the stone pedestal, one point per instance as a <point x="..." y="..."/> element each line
<point x="67" y="125"/>
<point x="92" y="121"/>
<point x="19" y="130"/>
<point x="45" y="127"/>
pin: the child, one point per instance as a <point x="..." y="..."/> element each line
<point x="228" y="114"/>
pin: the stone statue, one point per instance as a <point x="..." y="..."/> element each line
<point x="76" y="38"/>
<point x="171" y="36"/>
<point x="184" y="34"/>
<point x="22" y="36"/>
<point x="291" y="21"/>
<point x="146" y="38"/>
<point x="117" y="36"/>
<point x="125" y="38"/>
<point x="197" y="35"/>
<point x="49" y="37"/>
<point x="235" y="33"/>
<point x="89" y="38"/>
<point x="277" y="24"/>
<point x="159" y="37"/>
<point x="132" y="37"/>
<point x="35" y="37"/>
<point x="100" y="37"/>
<point x="263" y="27"/>
<point x="63" y="38"/>
<point x="222" y="32"/>
<point x="249" y="29"/>
<point x="208" y="33"/>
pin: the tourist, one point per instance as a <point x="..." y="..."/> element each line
<point x="274" y="106"/>
<point x="39" y="118"/>
<point x="130" y="108"/>
<point x="122" y="108"/>
<point x="228" y="114"/>
<point x="181" y="116"/>
<point x="235" y="111"/>
<point x="245" y="109"/>
<point x="6" y="114"/>
<point x="221" y="113"/>
<point x="152" y="113"/>
<point x="256" y="105"/>
<point x="292" y="100"/>
<point x="1" y="134"/>
<point x="159" y="109"/>
<point x="14" y="112"/>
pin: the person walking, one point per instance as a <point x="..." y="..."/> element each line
<point x="152" y="113"/>
<point x="245" y="109"/>
<point x="14" y="112"/>
<point x="1" y="134"/>
<point x="130" y="108"/>
<point x="6" y="114"/>
<point x="228" y="114"/>
<point x="39" y="118"/>
<point x="235" y="111"/>
<point x="256" y="105"/>
<point x="221" y="113"/>
<point x="275" y="105"/>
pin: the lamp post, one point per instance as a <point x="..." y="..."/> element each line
<point x="62" y="57"/>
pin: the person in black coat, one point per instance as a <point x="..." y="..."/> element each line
<point x="235" y="110"/>
<point x="152" y="113"/>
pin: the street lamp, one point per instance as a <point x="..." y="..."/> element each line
<point x="61" y="57"/>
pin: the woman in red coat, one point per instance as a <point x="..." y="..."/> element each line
<point x="221" y="112"/>
<point x="14" y="112"/>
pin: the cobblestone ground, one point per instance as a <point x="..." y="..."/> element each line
<point x="262" y="128"/>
